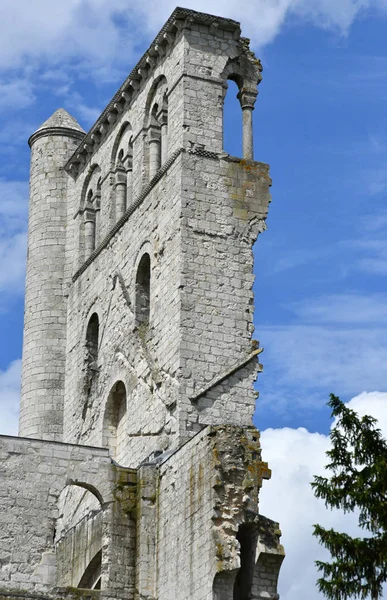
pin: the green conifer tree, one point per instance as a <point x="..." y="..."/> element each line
<point x="358" y="462"/>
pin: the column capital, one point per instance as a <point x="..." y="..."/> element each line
<point x="120" y="173"/>
<point x="154" y="133"/>
<point x="247" y="98"/>
<point x="89" y="214"/>
<point x="162" y="117"/>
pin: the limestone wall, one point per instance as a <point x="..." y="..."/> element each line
<point x="33" y="474"/>
<point x="224" y="207"/>
<point x="144" y="358"/>
<point x="197" y="219"/>
<point x="207" y="492"/>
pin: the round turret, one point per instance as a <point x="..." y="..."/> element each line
<point x="43" y="369"/>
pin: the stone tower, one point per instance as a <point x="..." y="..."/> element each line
<point x="44" y="352"/>
<point x="139" y="470"/>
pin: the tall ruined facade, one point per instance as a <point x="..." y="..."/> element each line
<point x="137" y="471"/>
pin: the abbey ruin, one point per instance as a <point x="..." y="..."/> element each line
<point x="137" y="470"/>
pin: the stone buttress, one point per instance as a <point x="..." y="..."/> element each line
<point x="139" y="471"/>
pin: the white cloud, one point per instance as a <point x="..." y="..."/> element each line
<point x="342" y="308"/>
<point x="316" y="360"/>
<point x="16" y="94"/>
<point x="369" y="253"/>
<point x="86" y="114"/>
<point x="13" y="133"/>
<point x="9" y="398"/>
<point x="12" y="263"/>
<point x="295" y="456"/>
<point x="262" y="20"/>
<point x="13" y="205"/>
<point x="74" y="28"/>
<point x="376" y="261"/>
<point x="13" y="224"/>
<point x="331" y="343"/>
<point x="106" y="32"/>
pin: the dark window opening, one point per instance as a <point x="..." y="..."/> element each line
<point x="232" y="121"/>
<point x="92" y="334"/>
<point x="247" y="537"/>
<point x="143" y="291"/>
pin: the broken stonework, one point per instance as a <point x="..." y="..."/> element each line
<point x="137" y="471"/>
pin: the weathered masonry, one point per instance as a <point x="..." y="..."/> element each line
<point x="137" y="471"/>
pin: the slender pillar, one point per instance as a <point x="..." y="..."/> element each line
<point x="247" y="100"/>
<point x="129" y="187"/>
<point x="163" y="120"/>
<point x="97" y="211"/>
<point x="120" y="191"/>
<point x="89" y="216"/>
<point x="154" y="151"/>
<point x="44" y="343"/>
<point x="128" y="166"/>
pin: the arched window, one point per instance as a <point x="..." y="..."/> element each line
<point x="78" y="537"/>
<point x="143" y="290"/>
<point x="90" y="208"/>
<point x="154" y="135"/>
<point x="246" y="73"/>
<point x="156" y="121"/>
<point x="92" y="334"/>
<point x="89" y="216"/>
<point x="163" y="120"/>
<point x="114" y="424"/>
<point x="97" y="211"/>
<point x="122" y="164"/>
<point x="232" y="120"/>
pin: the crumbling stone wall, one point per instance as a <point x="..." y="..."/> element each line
<point x="206" y="492"/>
<point x="33" y="475"/>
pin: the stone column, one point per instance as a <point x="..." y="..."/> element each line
<point x="163" y="120"/>
<point x="247" y="100"/>
<point x="89" y="216"/>
<point x="120" y="191"/>
<point x="128" y="164"/>
<point x="129" y="187"/>
<point x="154" y="151"/>
<point x="97" y="211"/>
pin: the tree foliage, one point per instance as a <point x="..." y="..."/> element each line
<point x="358" y="462"/>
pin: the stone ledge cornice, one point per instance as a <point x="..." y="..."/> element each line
<point x="39" y="441"/>
<point x="180" y="19"/>
<point x="59" y="131"/>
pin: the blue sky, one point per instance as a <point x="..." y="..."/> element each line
<point x="321" y="266"/>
